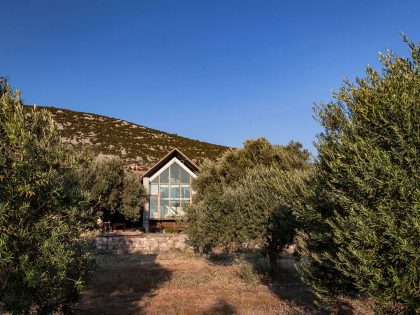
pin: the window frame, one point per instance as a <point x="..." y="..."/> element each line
<point x="180" y="197"/>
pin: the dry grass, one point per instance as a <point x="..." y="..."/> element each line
<point x="183" y="283"/>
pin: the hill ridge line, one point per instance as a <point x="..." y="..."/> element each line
<point x="134" y="143"/>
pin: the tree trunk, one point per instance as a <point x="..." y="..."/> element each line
<point x="272" y="253"/>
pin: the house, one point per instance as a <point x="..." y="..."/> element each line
<point x="168" y="186"/>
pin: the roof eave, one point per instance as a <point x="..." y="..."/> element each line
<point x="168" y="156"/>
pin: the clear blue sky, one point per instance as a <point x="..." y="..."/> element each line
<point x="217" y="71"/>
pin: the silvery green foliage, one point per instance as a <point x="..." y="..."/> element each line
<point x="114" y="193"/>
<point x="361" y="210"/>
<point x="241" y="199"/>
<point x="43" y="259"/>
<point x="133" y="197"/>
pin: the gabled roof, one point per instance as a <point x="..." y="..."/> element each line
<point x="174" y="153"/>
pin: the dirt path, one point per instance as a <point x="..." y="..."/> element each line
<point x="181" y="283"/>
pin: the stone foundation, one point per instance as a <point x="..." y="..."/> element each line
<point x="144" y="243"/>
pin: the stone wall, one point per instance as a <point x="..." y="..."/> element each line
<point x="143" y="243"/>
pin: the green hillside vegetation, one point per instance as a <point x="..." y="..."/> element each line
<point x="131" y="142"/>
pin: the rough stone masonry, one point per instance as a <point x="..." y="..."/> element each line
<point x="143" y="243"/>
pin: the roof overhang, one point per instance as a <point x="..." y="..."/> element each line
<point x="175" y="153"/>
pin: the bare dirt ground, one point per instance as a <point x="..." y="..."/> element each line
<point x="183" y="283"/>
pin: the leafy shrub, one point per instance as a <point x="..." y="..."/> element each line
<point x="242" y="198"/>
<point x="43" y="259"/>
<point x="114" y="193"/>
<point x="361" y="210"/>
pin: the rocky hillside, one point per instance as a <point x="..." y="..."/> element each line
<point x="134" y="143"/>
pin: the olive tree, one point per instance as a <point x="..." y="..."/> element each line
<point x="360" y="212"/>
<point x="241" y="198"/>
<point x="114" y="193"/>
<point x="43" y="258"/>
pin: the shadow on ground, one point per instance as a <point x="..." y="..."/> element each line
<point x="181" y="283"/>
<point x="286" y="284"/>
<point x="120" y="283"/>
<point x="221" y="308"/>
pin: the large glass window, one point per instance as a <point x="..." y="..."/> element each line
<point x="175" y="207"/>
<point x="164" y="177"/>
<point x="170" y="192"/>
<point x="185" y="177"/>
<point x="154" y="189"/>
<point x="153" y="207"/>
<point x="174" y="171"/>
<point x="164" y="191"/>
<point x="164" y="206"/>
<point x="185" y="192"/>
<point x="175" y="192"/>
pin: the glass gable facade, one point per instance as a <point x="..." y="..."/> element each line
<point x="170" y="192"/>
